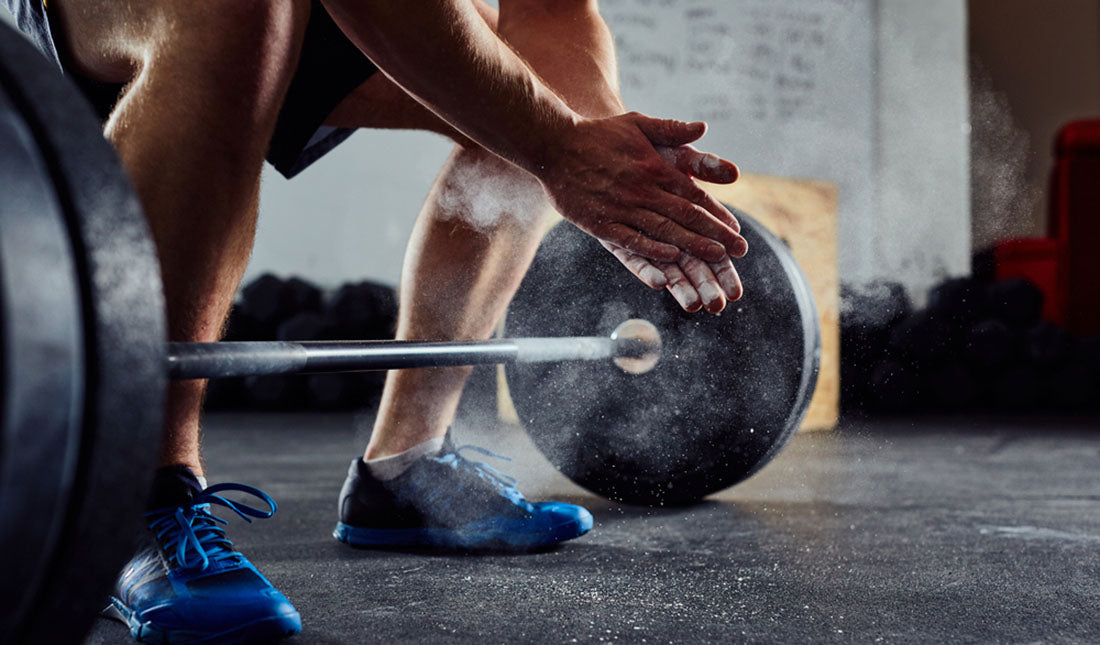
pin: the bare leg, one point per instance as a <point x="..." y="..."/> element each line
<point x="467" y="254"/>
<point x="457" y="281"/>
<point x="206" y="82"/>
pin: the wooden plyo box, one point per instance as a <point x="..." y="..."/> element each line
<point x="802" y="213"/>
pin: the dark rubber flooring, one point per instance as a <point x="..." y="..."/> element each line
<point x="895" y="532"/>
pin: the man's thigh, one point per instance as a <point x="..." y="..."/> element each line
<point x="110" y="40"/>
<point x="103" y="44"/>
<point x="100" y="39"/>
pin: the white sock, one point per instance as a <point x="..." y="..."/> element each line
<point x="386" y="468"/>
<point x="202" y="482"/>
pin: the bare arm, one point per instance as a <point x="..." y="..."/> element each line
<point x="444" y="54"/>
<point x="604" y="175"/>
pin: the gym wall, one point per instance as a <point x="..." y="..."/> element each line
<point x="869" y="95"/>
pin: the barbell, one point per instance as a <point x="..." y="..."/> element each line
<point x="84" y="362"/>
<point x="635" y="346"/>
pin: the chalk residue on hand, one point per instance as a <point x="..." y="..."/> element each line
<point x="704" y="165"/>
<point x="710" y="161"/>
<point x="652" y="275"/>
<point x="708" y="292"/>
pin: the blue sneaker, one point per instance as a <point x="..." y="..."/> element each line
<point x="453" y="502"/>
<point x="189" y="585"/>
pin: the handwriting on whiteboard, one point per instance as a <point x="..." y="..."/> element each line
<point x="760" y="60"/>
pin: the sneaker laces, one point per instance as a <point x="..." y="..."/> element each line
<point x="505" y="484"/>
<point x="191" y="530"/>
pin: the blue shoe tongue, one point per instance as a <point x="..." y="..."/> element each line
<point x="173" y="486"/>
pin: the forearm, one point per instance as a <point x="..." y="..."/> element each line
<point x="570" y="47"/>
<point x="445" y="55"/>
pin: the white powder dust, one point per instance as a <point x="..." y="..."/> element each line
<point x="704" y="165"/>
<point x="485" y="191"/>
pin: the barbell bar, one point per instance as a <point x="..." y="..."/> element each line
<point x="634" y="345"/>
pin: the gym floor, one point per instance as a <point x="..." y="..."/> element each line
<point x="946" y="530"/>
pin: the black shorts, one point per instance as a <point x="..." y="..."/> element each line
<point x="329" y="68"/>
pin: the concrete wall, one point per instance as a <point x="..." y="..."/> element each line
<point x="348" y="216"/>
<point x="871" y="95"/>
<point x="921" y="228"/>
<point x="1037" y="66"/>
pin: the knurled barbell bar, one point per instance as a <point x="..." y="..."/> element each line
<point x="84" y="363"/>
<point x="635" y="346"/>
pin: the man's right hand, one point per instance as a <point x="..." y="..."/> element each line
<point x="607" y="177"/>
<point x="645" y="209"/>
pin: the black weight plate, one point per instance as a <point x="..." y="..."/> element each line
<point x="727" y="394"/>
<point x="124" y="343"/>
<point x="41" y="334"/>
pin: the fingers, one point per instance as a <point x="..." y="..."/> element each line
<point x="699" y="214"/>
<point x="728" y="280"/>
<point x="669" y="132"/>
<point x="685" y="226"/>
<point x="682" y="289"/>
<point x="728" y="233"/>
<point x="693" y="283"/>
<point x="633" y="241"/>
<point x="642" y="268"/>
<point x="701" y="165"/>
<point x="705" y="283"/>
<point x="715" y="207"/>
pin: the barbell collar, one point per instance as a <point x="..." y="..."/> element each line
<point x="255" y="358"/>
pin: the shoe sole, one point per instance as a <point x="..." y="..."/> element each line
<point x="264" y="630"/>
<point x="514" y="534"/>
